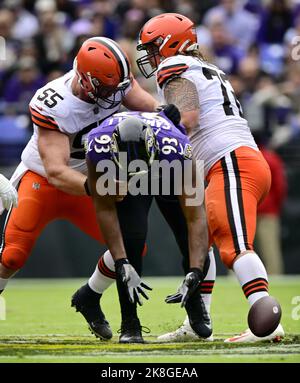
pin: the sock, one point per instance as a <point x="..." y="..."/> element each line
<point x="104" y="274"/>
<point x="209" y="280"/>
<point x="252" y="276"/>
<point x="3" y="283"/>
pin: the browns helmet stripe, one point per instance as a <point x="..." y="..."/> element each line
<point x="116" y="51"/>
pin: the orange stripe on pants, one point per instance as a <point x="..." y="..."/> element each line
<point x="236" y="186"/>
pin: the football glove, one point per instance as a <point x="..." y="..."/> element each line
<point x="134" y="286"/>
<point x="8" y="193"/>
<point x="171" y="111"/>
<point x="187" y="288"/>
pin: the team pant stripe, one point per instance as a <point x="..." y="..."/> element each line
<point x="234" y="202"/>
<point x="229" y="206"/>
<point x="105" y="270"/>
<point x="240" y="198"/>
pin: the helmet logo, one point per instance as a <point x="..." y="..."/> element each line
<point x="151" y="147"/>
<point x="114" y="145"/>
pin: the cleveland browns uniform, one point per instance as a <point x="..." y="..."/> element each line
<point x="237" y="174"/>
<point x="52" y="107"/>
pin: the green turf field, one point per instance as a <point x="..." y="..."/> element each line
<point x="41" y="326"/>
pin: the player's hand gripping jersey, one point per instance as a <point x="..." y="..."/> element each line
<point x="173" y="144"/>
<point x="55" y="107"/>
<point x="222" y="127"/>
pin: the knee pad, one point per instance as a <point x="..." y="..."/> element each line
<point x="14" y="257"/>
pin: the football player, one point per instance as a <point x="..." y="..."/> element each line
<point x="51" y="178"/>
<point x="238" y="176"/>
<point x="52" y="175"/>
<point x="8" y="194"/>
<point x="147" y="137"/>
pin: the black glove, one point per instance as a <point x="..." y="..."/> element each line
<point x="187" y="288"/>
<point x="134" y="286"/>
<point x="171" y="111"/>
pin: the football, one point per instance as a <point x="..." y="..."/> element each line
<point x="264" y="316"/>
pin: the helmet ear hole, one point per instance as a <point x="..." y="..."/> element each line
<point x="174" y="45"/>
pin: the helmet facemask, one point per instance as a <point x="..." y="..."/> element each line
<point x="103" y="95"/>
<point x="149" y="63"/>
<point x="108" y="94"/>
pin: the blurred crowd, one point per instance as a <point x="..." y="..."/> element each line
<point x="256" y="42"/>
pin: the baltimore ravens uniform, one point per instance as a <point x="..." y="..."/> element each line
<point x="173" y="143"/>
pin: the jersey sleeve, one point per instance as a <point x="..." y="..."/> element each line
<point x="98" y="145"/>
<point x="169" y="69"/>
<point x="49" y="109"/>
<point x="42" y="120"/>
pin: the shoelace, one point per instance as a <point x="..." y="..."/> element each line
<point x="144" y="329"/>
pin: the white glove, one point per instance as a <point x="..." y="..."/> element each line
<point x="134" y="286"/>
<point x="8" y="193"/>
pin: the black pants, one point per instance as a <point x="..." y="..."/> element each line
<point x="133" y="218"/>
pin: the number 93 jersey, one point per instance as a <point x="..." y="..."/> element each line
<point x="55" y="107"/>
<point x="172" y="143"/>
<point x="222" y="127"/>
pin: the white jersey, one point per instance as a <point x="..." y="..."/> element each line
<point x="222" y="127"/>
<point x="55" y="107"/>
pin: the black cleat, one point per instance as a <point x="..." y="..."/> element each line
<point x="198" y="316"/>
<point x="86" y="301"/>
<point x="131" y="331"/>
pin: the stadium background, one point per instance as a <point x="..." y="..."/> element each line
<point x="252" y="41"/>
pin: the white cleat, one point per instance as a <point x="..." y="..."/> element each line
<point x="248" y="337"/>
<point x="183" y="334"/>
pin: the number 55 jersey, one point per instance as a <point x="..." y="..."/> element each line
<point x="55" y="107"/>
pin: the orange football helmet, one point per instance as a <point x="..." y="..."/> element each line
<point x="103" y="70"/>
<point x="164" y="36"/>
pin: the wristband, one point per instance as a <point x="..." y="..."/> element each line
<point x="198" y="272"/>
<point x="120" y="262"/>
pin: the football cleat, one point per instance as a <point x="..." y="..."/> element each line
<point x="86" y="301"/>
<point x="248" y="337"/>
<point x="131" y="331"/>
<point x="199" y="318"/>
<point x="183" y="334"/>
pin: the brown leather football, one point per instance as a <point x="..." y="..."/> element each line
<point x="264" y="316"/>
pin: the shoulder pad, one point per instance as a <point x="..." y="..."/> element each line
<point x="170" y="68"/>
